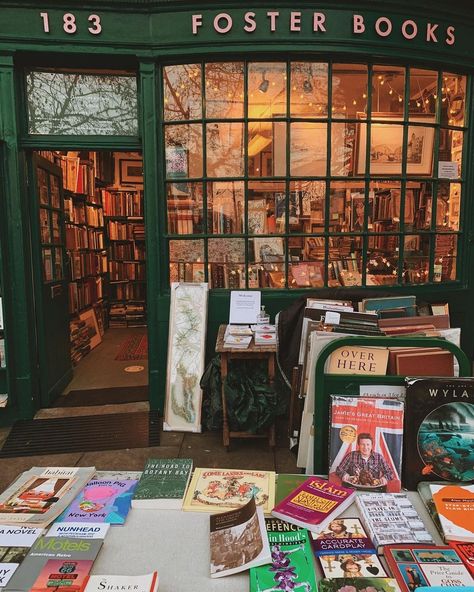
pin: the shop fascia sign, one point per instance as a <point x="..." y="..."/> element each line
<point x="272" y="22"/>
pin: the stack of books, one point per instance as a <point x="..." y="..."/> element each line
<point x="237" y="336"/>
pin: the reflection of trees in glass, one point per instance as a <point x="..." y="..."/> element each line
<point x="60" y="103"/>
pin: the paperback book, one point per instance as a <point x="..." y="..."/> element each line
<point x="455" y="507"/>
<point x="291" y="566"/>
<point x="163" y="483"/>
<point x="145" y="583"/>
<point x="358" y="585"/>
<point x="102" y="500"/>
<point x="314" y="504"/>
<point x="218" y="490"/>
<point x="391" y="518"/>
<point x="41" y="494"/>
<point x="426" y="565"/>
<point x="73" y="553"/>
<point x="344" y="550"/>
<point x="286" y="483"/>
<point x="365" y="443"/>
<point x="15" y="542"/>
<point x="238" y="540"/>
<point x="466" y="553"/>
<point x="61" y="575"/>
<point x="440" y="416"/>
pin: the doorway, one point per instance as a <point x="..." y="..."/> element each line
<point x="88" y="224"/>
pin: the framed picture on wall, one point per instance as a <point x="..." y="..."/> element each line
<point x="131" y="171"/>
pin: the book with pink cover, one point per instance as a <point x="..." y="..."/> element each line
<point x="314" y="503"/>
<point x="63" y="574"/>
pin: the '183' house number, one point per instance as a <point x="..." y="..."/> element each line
<point x="71" y="26"/>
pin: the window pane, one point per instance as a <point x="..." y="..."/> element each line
<point x="416" y="258"/>
<point x="266" y="149"/>
<point x="266" y="90"/>
<point x="345" y="260"/>
<point x="182" y="92"/>
<point x="448" y="206"/>
<point x="347" y="207"/>
<point x="382" y="260"/>
<point x="453" y="99"/>
<point x="309" y="89"/>
<point x="423" y="93"/>
<point x="81" y="104"/>
<point x="450" y="147"/>
<point x="385" y="149"/>
<point x="420" y="144"/>
<point x="343" y="144"/>
<point x="349" y="90"/>
<point x="185" y="208"/>
<point x="225" y="149"/>
<point x="183" y="148"/>
<point x="267" y="257"/>
<point x="305" y="274"/>
<point x="186" y="260"/>
<point x="266" y="202"/>
<point x="385" y="214"/>
<point x="418" y="199"/>
<point x="308" y="149"/>
<point x="388" y="92"/>
<point x="225" y="90"/>
<point x="227" y="263"/>
<point x="307" y="206"/>
<point x="445" y="257"/>
<point x="225" y="204"/>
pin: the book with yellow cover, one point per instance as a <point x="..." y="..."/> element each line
<point x="218" y="490"/>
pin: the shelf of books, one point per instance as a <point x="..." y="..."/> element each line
<point x="125" y="232"/>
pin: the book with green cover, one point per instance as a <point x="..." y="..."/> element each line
<point x="292" y="566"/>
<point x="286" y="483"/>
<point x="163" y="483"/>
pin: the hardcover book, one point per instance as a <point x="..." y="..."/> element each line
<point x="102" y="500"/>
<point x="455" y="507"/>
<point x="163" y="483"/>
<point x="314" y="504"/>
<point x="238" y="540"/>
<point x="344" y="550"/>
<point x="39" y="495"/>
<point x="69" y="551"/>
<point x="426" y="565"/>
<point x="358" y="360"/>
<point x="15" y="542"/>
<point x="218" y="490"/>
<point x="358" y="585"/>
<point x="145" y="583"/>
<point x="391" y="518"/>
<point x="365" y="443"/>
<point x="291" y="560"/>
<point x="440" y="416"/>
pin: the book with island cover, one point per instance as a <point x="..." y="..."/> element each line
<point x="163" y="483"/>
<point x="41" y="494"/>
<point x="439" y="420"/>
<point x="358" y="585"/>
<point x="343" y="549"/>
<point x="365" y="443"/>
<point x="78" y="553"/>
<point x="218" y="490"/>
<point x="102" y="500"/>
<point x="391" y="518"/>
<point x="314" y="503"/>
<point x="426" y="565"/>
<point x="291" y="560"/>
<point x="143" y="583"/>
<point x="15" y="543"/>
<point x="455" y="507"/>
<point x="238" y="540"/>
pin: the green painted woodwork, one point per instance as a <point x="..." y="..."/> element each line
<point x="327" y="384"/>
<point x="143" y="35"/>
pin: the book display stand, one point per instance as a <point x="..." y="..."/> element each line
<point x="345" y="384"/>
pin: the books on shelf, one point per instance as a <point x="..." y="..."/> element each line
<point x="15" y="542"/>
<point x="163" y="483"/>
<point x="365" y="442"/>
<point x="41" y="494"/>
<point x="291" y="560"/>
<point x="414" y="566"/>
<point x="102" y="500"/>
<point x="314" y="503"/>
<point x="238" y="540"/>
<point x="455" y="508"/>
<point x="343" y="549"/>
<point x="145" y="583"/>
<point x="440" y="416"/>
<point x="391" y="518"/>
<point x="217" y="490"/>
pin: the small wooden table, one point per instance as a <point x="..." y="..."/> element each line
<point x="253" y="352"/>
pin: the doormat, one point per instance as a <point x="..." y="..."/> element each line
<point x="85" y="433"/>
<point x="104" y="396"/>
<point x="134" y="347"/>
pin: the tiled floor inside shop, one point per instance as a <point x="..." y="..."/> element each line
<point x="99" y="369"/>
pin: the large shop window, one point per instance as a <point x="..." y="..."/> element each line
<point x="82" y="103"/>
<point x="304" y="174"/>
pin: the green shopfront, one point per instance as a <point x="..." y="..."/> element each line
<point x="286" y="147"/>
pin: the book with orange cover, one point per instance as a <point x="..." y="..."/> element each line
<point x="455" y="507"/>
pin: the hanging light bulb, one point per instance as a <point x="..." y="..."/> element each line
<point x="307" y="86"/>
<point x="263" y="86"/>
